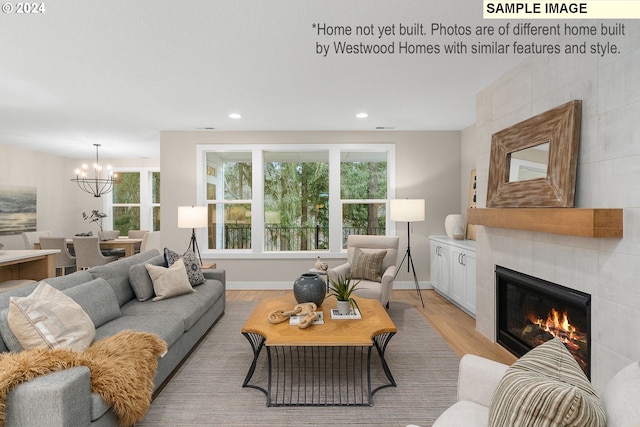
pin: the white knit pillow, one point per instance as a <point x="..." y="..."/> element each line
<point x="49" y="318"/>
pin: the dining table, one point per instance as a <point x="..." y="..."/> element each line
<point x="127" y="243"/>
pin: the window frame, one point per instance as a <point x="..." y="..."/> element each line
<point x="146" y="204"/>
<point x="257" y="200"/>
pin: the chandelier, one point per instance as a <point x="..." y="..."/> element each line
<point x="101" y="182"/>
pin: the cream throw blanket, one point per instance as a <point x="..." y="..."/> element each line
<point x="122" y="369"/>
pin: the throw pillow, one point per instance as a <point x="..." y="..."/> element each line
<point x="191" y="264"/>
<point x="546" y="387"/>
<point x="49" y="318"/>
<point x="367" y="265"/>
<point x="140" y="280"/>
<point x="169" y="281"/>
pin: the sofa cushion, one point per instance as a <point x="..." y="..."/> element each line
<point x="189" y="307"/>
<point x="546" y="387"/>
<point x="367" y="265"/>
<point x="167" y="326"/>
<point x="49" y="318"/>
<point x="117" y="274"/>
<point x="620" y="397"/>
<point x="97" y="299"/>
<point x="464" y="413"/>
<point x="191" y="264"/>
<point x="169" y="281"/>
<point x="140" y="280"/>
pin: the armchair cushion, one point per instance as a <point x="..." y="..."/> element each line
<point x="367" y="265"/>
<point x="546" y="387"/>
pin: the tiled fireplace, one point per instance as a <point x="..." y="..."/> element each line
<point x="531" y="311"/>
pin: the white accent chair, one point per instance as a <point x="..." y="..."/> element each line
<point x="32" y="237"/>
<point x="151" y="240"/>
<point x="64" y="259"/>
<point x="367" y="288"/>
<point x="479" y="377"/>
<point x="88" y="253"/>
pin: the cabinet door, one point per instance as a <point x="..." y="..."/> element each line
<point x="470" y="300"/>
<point x="464" y="279"/>
<point x="440" y="267"/>
<point x="458" y="285"/>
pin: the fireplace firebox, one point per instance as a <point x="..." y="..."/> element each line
<point x="531" y="311"/>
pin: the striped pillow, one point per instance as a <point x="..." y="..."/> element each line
<point x="367" y="265"/>
<point x="546" y="388"/>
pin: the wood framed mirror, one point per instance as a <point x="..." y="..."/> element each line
<point x="533" y="163"/>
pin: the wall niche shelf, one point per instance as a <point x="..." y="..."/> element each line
<point x="569" y="221"/>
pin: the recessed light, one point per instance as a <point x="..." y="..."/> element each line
<point x="362" y="115"/>
<point x="235" y="116"/>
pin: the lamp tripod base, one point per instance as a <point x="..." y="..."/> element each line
<point x="193" y="245"/>
<point x="410" y="267"/>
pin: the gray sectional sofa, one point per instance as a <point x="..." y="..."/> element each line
<point x="110" y="295"/>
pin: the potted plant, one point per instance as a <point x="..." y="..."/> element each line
<point x="95" y="216"/>
<point x="342" y="288"/>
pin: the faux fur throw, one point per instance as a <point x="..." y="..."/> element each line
<point x="122" y="369"/>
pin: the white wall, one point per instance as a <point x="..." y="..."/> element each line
<point x="608" y="173"/>
<point x="60" y="202"/>
<point x="428" y="166"/>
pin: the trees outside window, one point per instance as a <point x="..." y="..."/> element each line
<point x="270" y="199"/>
<point x="135" y="201"/>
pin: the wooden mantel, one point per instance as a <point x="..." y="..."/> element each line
<point x="569" y="221"/>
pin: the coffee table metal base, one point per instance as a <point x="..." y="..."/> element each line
<point x="319" y="375"/>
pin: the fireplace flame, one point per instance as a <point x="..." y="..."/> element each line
<point x="557" y="325"/>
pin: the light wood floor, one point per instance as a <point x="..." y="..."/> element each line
<point x="455" y="326"/>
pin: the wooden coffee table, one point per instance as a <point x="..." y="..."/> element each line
<point x="328" y="364"/>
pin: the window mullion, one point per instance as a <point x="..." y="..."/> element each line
<point x="335" y="206"/>
<point x="257" y="201"/>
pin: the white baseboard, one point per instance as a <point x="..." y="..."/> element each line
<point x="278" y="286"/>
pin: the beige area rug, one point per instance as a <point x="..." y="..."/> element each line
<point x="207" y="390"/>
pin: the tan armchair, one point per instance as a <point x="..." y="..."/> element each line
<point x="64" y="259"/>
<point x="371" y="244"/>
<point x="88" y="253"/>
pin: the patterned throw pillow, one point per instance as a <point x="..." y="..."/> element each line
<point x="367" y="265"/>
<point x="191" y="263"/>
<point x="546" y="387"/>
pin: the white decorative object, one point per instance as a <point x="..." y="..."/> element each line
<point x="454" y="222"/>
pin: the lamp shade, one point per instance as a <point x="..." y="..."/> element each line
<point x="409" y="210"/>
<point x="192" y="216"/>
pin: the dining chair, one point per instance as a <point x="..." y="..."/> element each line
<point x="151" y="240"/>
<point x="64" y="259"/>
<point x="31" y="237"/>
<point x="88" y="253"/>
<point x="137" y="234"/>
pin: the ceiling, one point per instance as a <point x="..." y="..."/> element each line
<point x="117" y="72"/>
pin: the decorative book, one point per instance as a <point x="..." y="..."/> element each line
<point x="353" y="314"/>
<point x="295" y="320"/>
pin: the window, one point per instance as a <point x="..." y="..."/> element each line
<point x="286" y="199"/>
<point x="228" y="192"/>
<point x="135" y="202"/>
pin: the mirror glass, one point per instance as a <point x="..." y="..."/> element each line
<point x="530" y="163"/>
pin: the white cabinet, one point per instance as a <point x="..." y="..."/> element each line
<point x="440" y="266"/>
<point x="453" y="270"/>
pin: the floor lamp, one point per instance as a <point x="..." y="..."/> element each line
<point x="193" y="217"/>
<point x="409" y="210"/>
